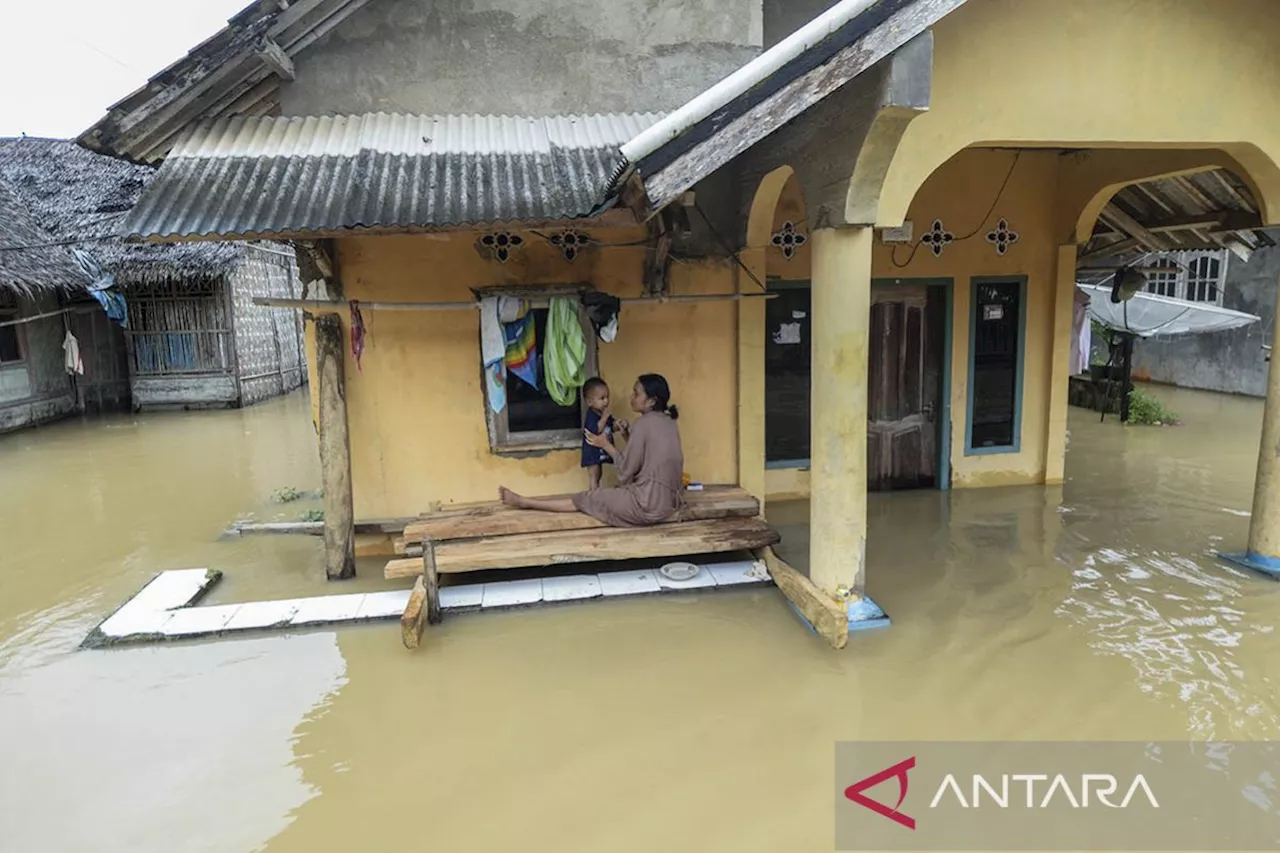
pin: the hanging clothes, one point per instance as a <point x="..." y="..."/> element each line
<point x="602" y="310"/>
<point x="565" y="357"/>
<point x="512" y="309"/>
<point x="71" y="355"/>
<point x="493" y="350"/>
<point x="357" y="333"/>
<point x="522" y="349"/>
<point x="1081" y="334"/>
<point x="102" y="288"/>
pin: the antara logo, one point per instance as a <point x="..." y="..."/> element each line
<point x="899" y="770"/>
<point x="1092" y="788"/>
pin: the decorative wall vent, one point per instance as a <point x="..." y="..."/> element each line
<point x="789" y="240"/>
<point x="1002" y="237"/>
<point x="937" y="238"/>
<point x="570" y="243"/>
<point x="500" y="245"/>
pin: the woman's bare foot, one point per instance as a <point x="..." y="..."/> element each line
<point x="510" y="498"/>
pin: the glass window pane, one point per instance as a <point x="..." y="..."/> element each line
<point x="787" y="371"/>
<point x="997" y="307"/>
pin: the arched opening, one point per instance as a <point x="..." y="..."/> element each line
<point x="1194" y="237"/>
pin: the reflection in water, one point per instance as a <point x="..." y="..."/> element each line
<point x="1089" y="611"/>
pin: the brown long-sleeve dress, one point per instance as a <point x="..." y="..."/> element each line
<point x="650" y="477"/>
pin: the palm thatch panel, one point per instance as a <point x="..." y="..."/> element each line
<point x="77" y="195"/>
<point x="28" y="264"/>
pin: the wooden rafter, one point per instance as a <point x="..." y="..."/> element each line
<point x="1121" y="220"/>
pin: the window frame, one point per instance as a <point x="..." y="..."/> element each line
<point x="778" y="286"/>
<point x="11" y="311"/>
<point x="1181" y="261"/>
<point x="1021" y="381"/>
<point x="504" y="442"/>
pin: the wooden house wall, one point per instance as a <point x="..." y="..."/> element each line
<point x="269" y="347"/>
<point x="38" y="389"/>
<point x="181" y="346"/>
<point x="104" y="387"/>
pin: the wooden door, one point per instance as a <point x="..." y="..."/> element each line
<point x="904" y="398"/>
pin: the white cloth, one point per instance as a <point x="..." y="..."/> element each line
<point x="511" y="309"/>
<point x="609" y="332"/>
<point x="1081" y="334"/>
<point x="71" y="355"/>
<point x="493" y="351"/>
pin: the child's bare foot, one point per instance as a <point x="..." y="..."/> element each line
<point x="509" y="497"/>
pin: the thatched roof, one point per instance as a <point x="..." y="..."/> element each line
<point x="41" y="268"/>
<point x="75" y="194"/>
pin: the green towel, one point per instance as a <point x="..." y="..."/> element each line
<point x="564" y="351"/>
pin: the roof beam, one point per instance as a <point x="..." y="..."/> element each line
<point x="274" y="57"/>
<point x="1135" y="229"/>
<point x="1219" y="220"/>
<point x="1108" y="251"/>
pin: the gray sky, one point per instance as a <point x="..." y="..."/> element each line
<point x="62" y="64"/>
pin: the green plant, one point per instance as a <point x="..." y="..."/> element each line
<point x="312" y="515"/>
<point x="287" y="494"/>
<point x="1145" y="408"/>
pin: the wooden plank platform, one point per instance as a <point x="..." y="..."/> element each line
<point x="596" y="543"/>
<point x="492" y="518"/>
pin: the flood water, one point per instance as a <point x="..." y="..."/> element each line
<point x="1091" y="611"/>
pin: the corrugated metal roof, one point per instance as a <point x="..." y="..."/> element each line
<point x="258" y="176"/>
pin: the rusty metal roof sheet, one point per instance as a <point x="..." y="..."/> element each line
<point x="258" y="176"/>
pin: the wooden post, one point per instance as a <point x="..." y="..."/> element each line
<point x="431" y="581"/>
<point x="412" y="621"/>
<point x="335" y="451"/>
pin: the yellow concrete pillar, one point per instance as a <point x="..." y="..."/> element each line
<point x="751" y="376"/>
<point x="1060" y="371"/>
<point x="840" y="318"/>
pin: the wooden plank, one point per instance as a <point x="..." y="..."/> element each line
<point x="413" y="619"/>
<point x="592" y="545"/>
<point x="824" y="613"/>
<point x="335" y="452"/>
<point x="468" y="521"/>
<point x="1135" y="229"/>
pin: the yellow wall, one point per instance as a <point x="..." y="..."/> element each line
<point x="1099" y="74"/>
<point x="416" y="408"/>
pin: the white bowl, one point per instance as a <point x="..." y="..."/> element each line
<point x="679" y="571"/>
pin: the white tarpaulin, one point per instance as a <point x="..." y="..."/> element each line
<point x="1146" y="314"/>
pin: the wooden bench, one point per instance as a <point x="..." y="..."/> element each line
<point x="484" y="536"/>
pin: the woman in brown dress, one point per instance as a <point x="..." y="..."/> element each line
<point x="650" y="468"/>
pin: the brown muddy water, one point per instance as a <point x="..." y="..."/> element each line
<point x="1091" y="611"/>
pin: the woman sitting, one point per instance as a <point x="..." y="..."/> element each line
<point x="650" y="468"/>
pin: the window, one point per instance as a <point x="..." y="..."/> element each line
<point x="995" y="367"/>
<point x="181" y="328"/>
<point x="1203" y="276"/>
<point x="1163" y="283"/>
<point x="1191" y="276"/>
<point x="10" y="336"/>
<point x="787" y="350"/>
<point x="531" y="420"/>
